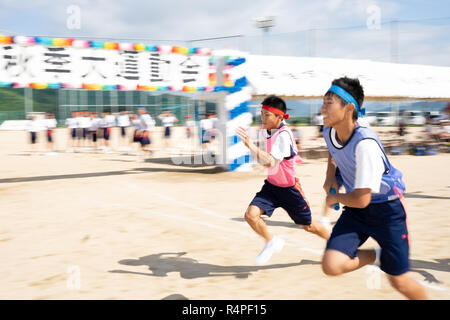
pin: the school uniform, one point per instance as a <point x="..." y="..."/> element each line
<point x="205" y="130"/>
<point x="84" y="124"/>
<point x="94" y="125"/>
<point x="109" y="122"/>
<point x="136" y="123"/>
<point x="362" y="163"/>
<point x="72" y="124"/>
<point x="167" y="122"/>
<point x="189" y="124"/>
<point x="123" y="121"/>
<point x="33" y="128"/>
<point x="50" y="124"/>
<point x="147" y="123"/>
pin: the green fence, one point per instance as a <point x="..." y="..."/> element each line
<point x="62" y="102"/>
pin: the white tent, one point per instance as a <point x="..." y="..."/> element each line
<point x="304" y="77"/>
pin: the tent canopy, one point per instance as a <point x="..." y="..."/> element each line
<point x="310" y="78"/>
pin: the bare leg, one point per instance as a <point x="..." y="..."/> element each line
<point x="253" y="218"/>
<point x="318" y="229"/>
<point x="336" y="263"/>
<point x="407" y="286"/>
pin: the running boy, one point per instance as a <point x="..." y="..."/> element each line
<point x="282" y="188"/>
<point x="373" y="205"/>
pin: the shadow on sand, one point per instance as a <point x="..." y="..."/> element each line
<point x="163" y="263"/>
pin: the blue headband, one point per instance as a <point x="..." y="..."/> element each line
<point x="347" y="97"/>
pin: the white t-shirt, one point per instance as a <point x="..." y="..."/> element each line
<point x="50" y="123"/>
<point x="147" y="121"/>
<point x="369" y="164"/>
<point x="84" y="122"/>
<point x="282" y="146"/>
<point x="168" y="121"/>
<point x="95" y="124"/>
<point x="190" y="123"/>
<point x="71" y="123"/>
<point x="123" y="120"/>
<point x="34" y="126"/>
<point x="136" y="123"/>
<point x="206" y="124"/>
<point x="319" y="120"/>
<point x="110" y="120"/>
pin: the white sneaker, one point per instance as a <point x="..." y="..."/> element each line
<point x="274" y="245"/>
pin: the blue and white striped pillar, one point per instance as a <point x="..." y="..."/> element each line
<point x="236" y="113"/>
<point x="236" y="103"/>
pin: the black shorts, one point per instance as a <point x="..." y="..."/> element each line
<point x="33" y="137"/>
<point x="290" y="199"/>
<point x="386" y="223"/>
<point x="167" y="132"/>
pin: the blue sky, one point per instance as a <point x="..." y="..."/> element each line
<point x="419" y="41"/>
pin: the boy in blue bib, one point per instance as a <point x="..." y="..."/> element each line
<point x="373" y="202"/>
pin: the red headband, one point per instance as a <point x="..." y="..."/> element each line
<point x="276" y="111"/>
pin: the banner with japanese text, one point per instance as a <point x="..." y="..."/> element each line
<point x="100" y="68"/>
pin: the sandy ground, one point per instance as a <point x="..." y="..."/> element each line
<point x="104" y="226"/>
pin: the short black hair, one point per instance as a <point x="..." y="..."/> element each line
<point x="352" y="86"/>
<point x="275" y="102"/>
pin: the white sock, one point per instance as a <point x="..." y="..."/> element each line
<point x="377" y="257"/>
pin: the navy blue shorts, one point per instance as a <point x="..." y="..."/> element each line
<point x="386" y="223"/>
<point x="167" y="132"/>
<point x="290" y="199"/>
<point x="33" y="137"/>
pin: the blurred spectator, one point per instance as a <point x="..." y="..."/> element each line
<point x="205" y="131"/>
<point x="318" y="121"/>
<point x="146" y="125"/>
<point x="189" y="125"/>
<point x="168" y="120"/>
<point x="93" y="128"/>
<point x="84" y="122"/>
<point x="50" y="123"/>
<point x="444" y="132"/>
<point x="123" y="121"/>
<point x="110" y="122"/>
<point x="72" y="125"/>
<point x="136" y="125"/>
<point x="401" y="123"/>
<point x="34" y="127"/>
<point x="297" y="134"/>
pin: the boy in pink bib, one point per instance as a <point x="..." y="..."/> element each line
<point x="281" y="188"/>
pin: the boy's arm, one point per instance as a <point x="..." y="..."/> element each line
<point x="358" y="198"/>
<point x="330" y="178"/>
<point x="264" y="158"/>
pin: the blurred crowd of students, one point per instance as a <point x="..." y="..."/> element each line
<point x="88" y="131"/>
